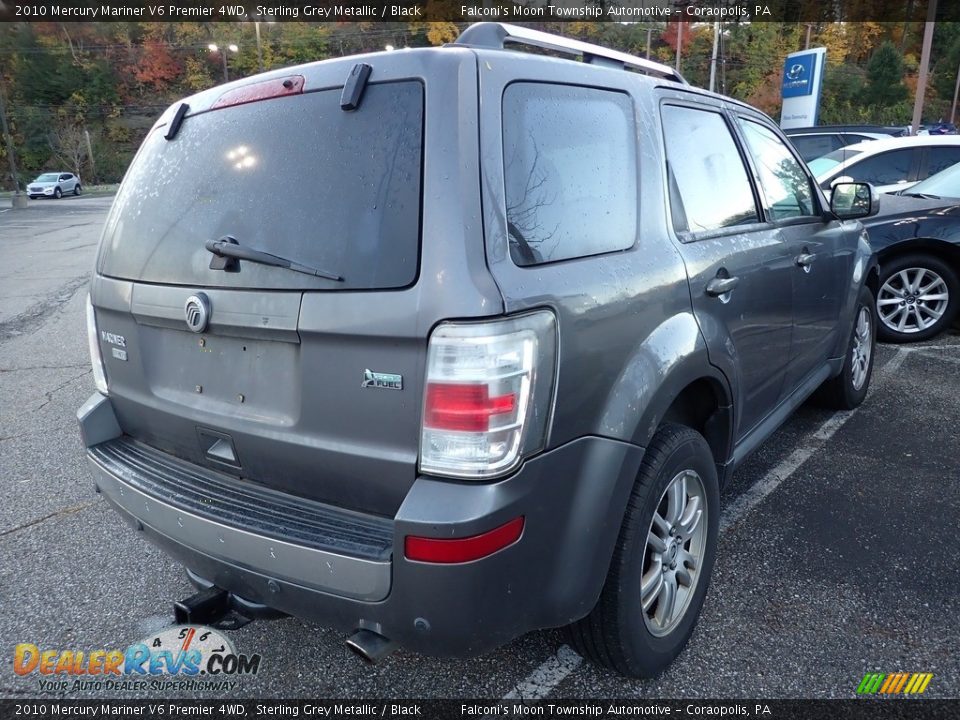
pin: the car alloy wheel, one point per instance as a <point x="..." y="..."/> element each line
<point x="912" y="300"/>
<point x="862" y="348"/>
<point x="660" y="569"/>
<point x="676" y="543"/>
<point x="57" y="193"/>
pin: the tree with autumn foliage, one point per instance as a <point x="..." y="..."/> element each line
<point x="158" y="68"/>
<point x="113" y="79"/>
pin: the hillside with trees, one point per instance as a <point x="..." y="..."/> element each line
<point x="65" y="83"/>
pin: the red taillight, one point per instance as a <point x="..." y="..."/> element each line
<point x="458" y="550"/>
<point x="466" y="408"/>
<point x="488" y="394"/>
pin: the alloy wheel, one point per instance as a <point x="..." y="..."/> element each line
<point x="912" y="300"/>
<point x="674" y="553"/>
<point x="862" y="348"/>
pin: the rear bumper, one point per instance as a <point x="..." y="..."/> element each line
<point x="206" y="513"/>
<point x="572" y="499"/>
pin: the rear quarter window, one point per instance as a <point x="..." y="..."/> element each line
<point x="570" y="169"/>
<point x="709" y="185"/>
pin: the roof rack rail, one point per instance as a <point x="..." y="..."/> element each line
<point x="497" y="35"/>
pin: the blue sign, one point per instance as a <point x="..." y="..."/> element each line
<point x="802" y="82"/>
<point x="798" y="75"/>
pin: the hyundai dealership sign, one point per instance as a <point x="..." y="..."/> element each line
<point x="802" y="81"/>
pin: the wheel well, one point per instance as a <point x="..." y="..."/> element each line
<point x="873" y="281"/>
<point x="704" y="406"/>
<point x="948" y="252"/>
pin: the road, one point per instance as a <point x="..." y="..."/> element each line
<point x="838" y="554"/>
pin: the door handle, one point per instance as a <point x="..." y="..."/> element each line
<point x="721" y="286"/>
<point x="805" y="259"/>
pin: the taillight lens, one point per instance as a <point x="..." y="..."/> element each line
<point x="469" y="408"/>
<point x="488" y="395"/>
<point x="93" y="342"/>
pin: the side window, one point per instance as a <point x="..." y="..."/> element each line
<point x="814" y="146"/>
<point x="709" y="186"/>
<point x="784" y="182"/>
<point x="570" y="170"/>
<point x="940" y="158"/>
<point x="884" y="169"/>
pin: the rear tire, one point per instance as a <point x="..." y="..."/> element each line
<point x="848" y="389"/>
<point x="920" y="292"/>
<point x="76" y="189"/>
<point x="647" y="609"/>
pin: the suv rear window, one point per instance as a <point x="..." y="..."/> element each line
<point x="295" y="176"/>
<point x="570" y="166"/>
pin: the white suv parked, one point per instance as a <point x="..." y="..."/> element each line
<point x="54" y="185"/>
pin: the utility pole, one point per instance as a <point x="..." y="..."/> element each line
<point x="924" y="66"/>
<point x="256" y="27"/>
<point x="93" y="167"/>
<point x="679" y="42"/>
<point x="807" y="46"/>
<point x="713" y="56"/>
<point x="19" y="201"/>
<point x="213" y="47"/>
<point x="649" y="32"/>
<point x="956" y="92"/>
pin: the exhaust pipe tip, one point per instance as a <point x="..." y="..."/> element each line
<point x="370" y="646"/>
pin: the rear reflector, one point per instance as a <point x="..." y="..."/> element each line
<point x="264" y="90"/>
<point x="458" y="550"/>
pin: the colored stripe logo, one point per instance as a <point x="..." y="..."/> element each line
<point x="894" y="683"/>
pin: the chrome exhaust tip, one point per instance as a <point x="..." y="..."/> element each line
<point x="370" y="646"/>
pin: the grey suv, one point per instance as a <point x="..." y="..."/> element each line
<point x="443" y="346"/>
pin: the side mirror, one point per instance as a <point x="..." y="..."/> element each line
<point x="851" y="200"/>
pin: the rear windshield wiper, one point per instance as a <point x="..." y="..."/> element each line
<point x="227" y="247"/>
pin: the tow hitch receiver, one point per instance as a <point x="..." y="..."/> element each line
<point x="202" y="608"/>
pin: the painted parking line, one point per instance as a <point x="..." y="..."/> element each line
<point x="538" y="684"/>
<point x="740" y="507"/>
<point x="541" y="682"/>
<point x="938" y="352"/>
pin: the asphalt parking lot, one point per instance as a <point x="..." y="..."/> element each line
<point x="838" y="553"/>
